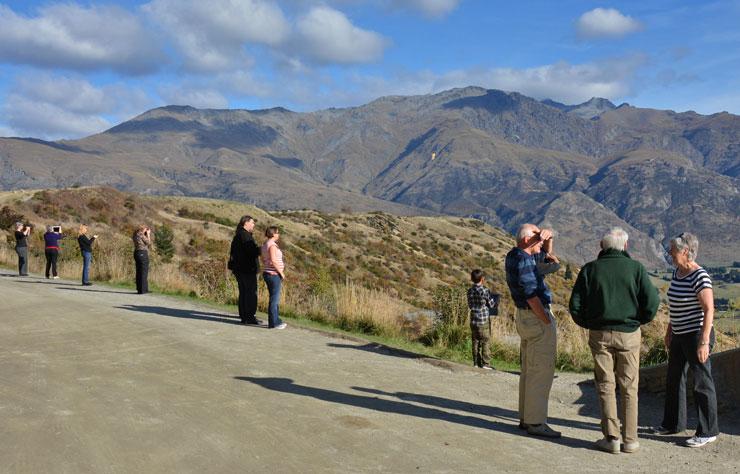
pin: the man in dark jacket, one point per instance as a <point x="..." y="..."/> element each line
<point x="612" y="297"/>
<point x="244" y="263"/>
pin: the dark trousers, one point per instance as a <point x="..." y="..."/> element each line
<point x="141" y="258"/>
<point x="247" y="296"/>
<point x="51" y="261"/>
<point x="274" y="284"/>
<point x="22" y="260"/>
<point x="481" y="345"/>
<point x="681" y="356"/>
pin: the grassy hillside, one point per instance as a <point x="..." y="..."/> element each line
<point x="369" y="272"/>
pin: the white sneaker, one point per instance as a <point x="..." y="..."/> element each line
<point x="699" y="441"/>
<point x="281" y="326"/>
<point x="608" y="445"/>
<point x="56" y="278"/>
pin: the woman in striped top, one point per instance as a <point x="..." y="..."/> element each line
<point x="273" y="274"/>
<point x="690" y="338"/>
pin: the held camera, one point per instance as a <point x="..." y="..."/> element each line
<point x="493" y="304"/>
<point x="57" y="229"/>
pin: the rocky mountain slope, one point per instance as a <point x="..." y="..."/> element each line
<point x="500" y="157"/>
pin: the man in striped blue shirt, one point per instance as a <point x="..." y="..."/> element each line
<point x="535" y="324"/>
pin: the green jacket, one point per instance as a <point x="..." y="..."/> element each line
<point x="613" y="292"/>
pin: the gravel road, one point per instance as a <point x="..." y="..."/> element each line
<point x="98" y="379"/>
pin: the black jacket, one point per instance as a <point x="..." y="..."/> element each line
<point x="85" y="243"/>
<point x="245" y="254"/>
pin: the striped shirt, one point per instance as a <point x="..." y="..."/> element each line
<point x="267" y="262"/>
<point x="523" y="278"/>
<point x="687" y="314"/>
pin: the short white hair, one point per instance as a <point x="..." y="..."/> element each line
<point x="615" y="239"/>
<point x="689" y="241"/>
<point x="525" y="230"/>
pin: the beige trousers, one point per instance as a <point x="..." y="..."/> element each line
<point x="617" y="361"/>
<point x="538" y="346"/>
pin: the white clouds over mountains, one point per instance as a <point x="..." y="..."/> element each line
<point x="327" y="36"/>
<point x="80" y="69"/>
<point x="73" y="37"/>
<point x="212" y="35"/>
<point x="47" y="106"/>
<point x="606" y="23"/>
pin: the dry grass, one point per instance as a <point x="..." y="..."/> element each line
<point x="361" y="272"/>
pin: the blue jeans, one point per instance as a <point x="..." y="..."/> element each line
<point x="86" y="259"/>
<point x="274" y="283"/>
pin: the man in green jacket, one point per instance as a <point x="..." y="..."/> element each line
<point x="612" y="297"/>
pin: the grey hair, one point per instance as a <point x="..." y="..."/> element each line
<point x="689" y="241"/>
<point x="525" y="230"/>
<point x="615" y="239"/>
<point x="19" y="225"/>
<point x="48" y="228"/>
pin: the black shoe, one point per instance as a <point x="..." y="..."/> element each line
<point x="543" y="430"/>
<point x="87" y="284"/>
<point x="523" y="425"/>
<point x="253" y="322"/>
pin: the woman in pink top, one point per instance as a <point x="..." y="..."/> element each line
<point x="273" y="273"/>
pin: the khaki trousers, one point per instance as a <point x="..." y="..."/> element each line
<point x="538" y="347"/>
<point x="481" y="345"/>
<point x="617" y="359"/>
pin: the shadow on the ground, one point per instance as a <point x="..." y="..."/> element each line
<point x="376" y="348"/>
<point x="375" y="403"/>
<point x="42" y="281"/>
<point x="183" y="313"/>
<point x="88" y="289"/>
<point x="485" y="410"/>
<point x="589" y="400"/>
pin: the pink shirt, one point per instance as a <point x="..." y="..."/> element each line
<point x="267" y="262"/>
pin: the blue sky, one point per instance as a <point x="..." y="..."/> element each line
<point x="70" y="69"/>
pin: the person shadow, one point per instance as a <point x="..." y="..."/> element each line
<point x="402" y="406"/>
<point x="381" y="349"/>
<point x="184" y="313"/>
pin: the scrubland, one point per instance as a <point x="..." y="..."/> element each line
<point x="398" y="278"/>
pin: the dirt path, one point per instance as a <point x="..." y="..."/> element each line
<point x="102" y="380"/>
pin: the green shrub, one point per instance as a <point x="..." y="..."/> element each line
<point x="9" y="217"/>
<point x="163" y="237"/>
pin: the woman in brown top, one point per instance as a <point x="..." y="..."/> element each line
<point x="142" y="241"/>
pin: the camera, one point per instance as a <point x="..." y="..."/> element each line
<point x="56" y="229"/>
<point x="493" y="303"/>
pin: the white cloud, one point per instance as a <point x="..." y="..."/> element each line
<point x="7" y="132"/>
<point x="212" y="35"/>
<point x="49" y="121"/>
<point x="606" y="23"/>
<point x="564" y="82"/>
<point x="69" y="36"/>
<point x="193" y="96"/>
<point x="245" y="83"/>
<point x="434" y="8"/>
<point x="327" y="36"/>
<point x="53" y="107"/>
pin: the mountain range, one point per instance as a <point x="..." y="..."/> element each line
<point x="500" y="157"/>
